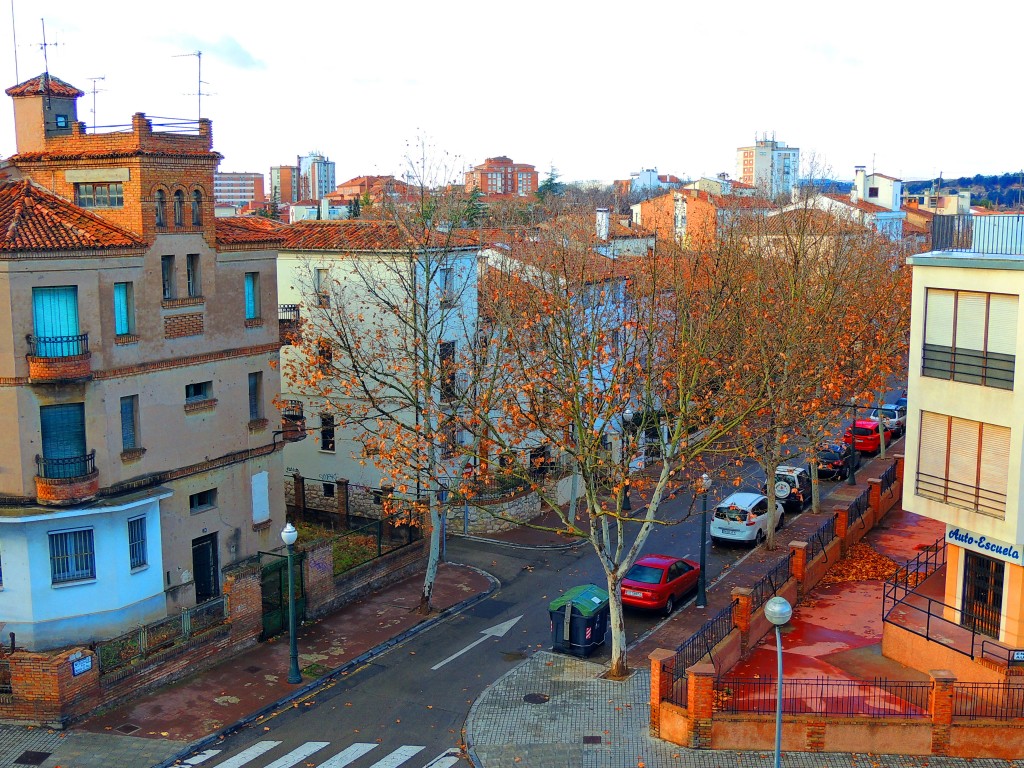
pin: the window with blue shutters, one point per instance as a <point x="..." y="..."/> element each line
<point x="55" y="321"/>
<point x="62" y="429"/>
<point x="252" y="295"/>
<point x="255" y="396"/>
<point x="124" y="309"/>
<point x="129" y="427"/>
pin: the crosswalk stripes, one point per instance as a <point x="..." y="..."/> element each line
<point x="349" y="755"/>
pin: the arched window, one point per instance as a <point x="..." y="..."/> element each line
<point x="179" y="208"/>
<point x="159" y="203"/>
<point x="197" y="209"/>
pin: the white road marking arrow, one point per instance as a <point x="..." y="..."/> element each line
<point x="498" y="630"/>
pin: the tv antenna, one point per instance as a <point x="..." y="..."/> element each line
<point x="94" y="92"/>
<point x="46" y="63"/>
<point x="199" y="80"/>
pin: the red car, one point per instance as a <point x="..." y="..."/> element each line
<point x="867" y="440"/>
<point x="657" y="582"/>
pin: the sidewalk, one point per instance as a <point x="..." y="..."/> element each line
<point x="578" y="718"/>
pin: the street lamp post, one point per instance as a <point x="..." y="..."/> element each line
<point x="702" y="596"/>
<point x="288" y="536"/>
<point x="627" y="419"/>
<point x="778" y="611"/>
<point x="851" y="460"/>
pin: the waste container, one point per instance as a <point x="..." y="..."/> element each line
<point x="579" y="620"/>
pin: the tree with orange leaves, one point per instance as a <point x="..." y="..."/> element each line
<point x="389" y="308"/>
<point x="827" y="324"/>
<point x="589" y="354"/>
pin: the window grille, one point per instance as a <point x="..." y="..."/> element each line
<point x="137" y="541"/>
<point x="72" y="556"/>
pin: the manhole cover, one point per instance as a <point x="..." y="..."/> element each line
<point x="31" y="758"/>
<point x="536" y="698"/>
<point x="591" y="739"/>
<point x="127" y="728"/>
<point x="253" y="669"/>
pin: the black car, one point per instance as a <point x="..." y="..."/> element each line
<point x="834" y="460"/>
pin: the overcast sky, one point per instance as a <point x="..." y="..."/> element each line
<point x="596" y="89"/>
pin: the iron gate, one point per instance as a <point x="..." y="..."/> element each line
<point x="274" y="590"/>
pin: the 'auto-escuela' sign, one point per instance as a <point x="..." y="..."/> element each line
<point x="1011" y="553"/>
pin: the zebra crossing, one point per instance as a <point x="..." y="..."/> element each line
<point x="307" y="753"/>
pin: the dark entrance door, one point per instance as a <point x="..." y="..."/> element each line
<point x="983" y="594"/>
<point x="206" y="567"/>
<point x="275" y="592"/>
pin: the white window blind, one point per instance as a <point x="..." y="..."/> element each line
<point x="1002" y="324"/>
<point x="971" y="314"/>
<point x="939" y="318"/>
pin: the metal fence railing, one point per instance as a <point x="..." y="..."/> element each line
<point x="769" y="584"/>
<point x="857" y="509"/>
<point x="998" y="701"/>
<point x="821" y="538"/>
<point x="825" y="696"/>
<point x="888" y="478"/>
<point x="374" y="539"/>
<point x="701" y="642"/>
<point x="1001" y="233"/>
<point x="957" y="494"/>
<point x="5" y="676"/>
<point x="66" y="467"/>
<point x="144" y="641"/>
<point x="58" y="346"/>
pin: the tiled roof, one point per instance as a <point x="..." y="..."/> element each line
<point x="92" y="154"/>
<point x="909" y="228"/>
<point x="32" y="219"/>
<point x="365" y="235"/>
<point x="42" y="84"/>
<point x="883" y="176"/>
<point x="807" y="221"/>
<point x="238" y="230"/>
<point x="860" y="205"/>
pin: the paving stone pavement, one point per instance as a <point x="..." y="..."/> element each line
<point x="591" y="722"/>
<point x="76" y="749"/>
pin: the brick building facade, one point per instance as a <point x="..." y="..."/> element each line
<point x="136" y="377"/>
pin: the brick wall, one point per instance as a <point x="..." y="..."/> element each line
<point x="190" y="324"/>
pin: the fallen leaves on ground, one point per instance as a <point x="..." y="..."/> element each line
<point x="861" y="563"/>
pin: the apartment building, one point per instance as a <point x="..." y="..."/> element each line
<point x="137" y="456"/>
<point x="284" y="183"/>
<point x="965" y="441"/>
<point x="238" y="189"/>
<point x="771" y="166"/>
<point x="500" y="177"/>
<point x="316" y="176"/>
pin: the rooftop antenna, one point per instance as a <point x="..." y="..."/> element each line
<point x="14" y="40"/>
<point x="46" y="63"/>
<point x="199" y="79"/>
<point x="94" y="92"/>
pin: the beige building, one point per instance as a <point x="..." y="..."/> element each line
<point x="965" y="442"/>
<point x="137" y="334"/>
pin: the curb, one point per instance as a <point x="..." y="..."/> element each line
<point x="228" y="730"/>
<point x="515" y="545"/>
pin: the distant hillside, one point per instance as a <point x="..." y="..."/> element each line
<point x="997" y="192"/>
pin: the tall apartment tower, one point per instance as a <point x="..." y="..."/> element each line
<point x="137" y="334"/>
<point x="769" y="165"/>
<point x="238" y="188"/>
<point x="284" y="183"/>
<point x="316" y="176"/>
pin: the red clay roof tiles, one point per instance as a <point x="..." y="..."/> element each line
<point x="239" y="230"/>
<point x="368" y="235"/>
<point x="42" y="84"/>
<point x="32" y="219"/>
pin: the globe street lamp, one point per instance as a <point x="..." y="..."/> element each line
<point x="778" y="611"/>
<point x="288" y="536"/>
<point x="702" y="596"/>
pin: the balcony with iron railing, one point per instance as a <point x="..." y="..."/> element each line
<point x="289" y="323"/>
<point x="55" y="359"/>
<point x="998" y="233"/>
<point x="293" y="421"/>
<point x="66" y="480"/>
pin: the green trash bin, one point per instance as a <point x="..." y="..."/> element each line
<point x="579" y="620"/>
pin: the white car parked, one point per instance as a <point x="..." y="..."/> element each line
<point x="893" y="416"/>
<point x="744" y="517"/>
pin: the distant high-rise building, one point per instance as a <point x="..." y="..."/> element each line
<point x="316" y="176"/>
<point x="769" y="165"/>
<point x="284" y="183"/>
<point x="499" y="176"/>
<point x="238" y="188"/>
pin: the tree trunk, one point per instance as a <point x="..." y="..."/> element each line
<point x="617" y="627"/>
<point x="433" y="557"/>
